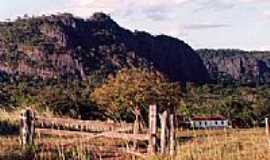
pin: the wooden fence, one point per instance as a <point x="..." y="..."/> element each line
<point x="31" y="124"/>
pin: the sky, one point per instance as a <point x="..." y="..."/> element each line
<point x="241" y="24"/>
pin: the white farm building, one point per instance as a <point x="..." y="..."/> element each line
<point x="205" y="122"/>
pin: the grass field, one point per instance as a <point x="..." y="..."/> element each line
<point x="245" y="144"/>
<point x="231" y="144"/>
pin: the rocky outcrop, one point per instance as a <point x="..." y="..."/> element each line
<point x="237" y="65"/>
<point x="61" y="46"/>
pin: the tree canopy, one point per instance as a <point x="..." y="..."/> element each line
<point x="130" y="88"/>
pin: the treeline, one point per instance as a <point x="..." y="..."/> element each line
<point x="245" y="106"/>
<point x="119" y="94"/>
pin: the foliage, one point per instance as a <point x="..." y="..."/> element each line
<point x="68" y="97"/>
<point x="117" y="96"/>
<point x="135" y="87"/>
<point x="245" y="106"/>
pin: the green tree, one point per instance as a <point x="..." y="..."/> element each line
<point x="133" y="88"/>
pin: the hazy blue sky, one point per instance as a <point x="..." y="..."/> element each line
<point x="243" y="24"/>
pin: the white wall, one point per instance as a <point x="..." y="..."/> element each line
<point x="209" y="123"/>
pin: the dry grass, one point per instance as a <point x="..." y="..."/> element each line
<point x="248" y="144"/>
<point x="233" y="144"/>
<point x="55" y="148"/>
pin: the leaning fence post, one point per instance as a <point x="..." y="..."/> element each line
<point x="266" y="126"/>
<point x="163" y="121"/>
<point x="172" y="134"/>
<point x="152" y="128"/>
<point x="136" y="127"/>
<point x="27" y="128"/>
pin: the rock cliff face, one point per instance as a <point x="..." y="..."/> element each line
<point x="64" y="46"/>
<point x="237" y="65"/>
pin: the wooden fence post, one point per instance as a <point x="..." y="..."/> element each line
<point x="152" y="129"/>
<point x="27" y="128"/>
<point x="163" y="138"/>
<point x="266" y="126"/>
<point x="136" y="127"/>
<point x="172" y="134"/>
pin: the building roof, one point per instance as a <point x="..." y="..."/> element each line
<point x="207" y="118"/>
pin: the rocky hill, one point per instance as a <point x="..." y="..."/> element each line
<point x="64" y="46"/>
<point x="237" y="66"/>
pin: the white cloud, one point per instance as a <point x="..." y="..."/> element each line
<point x="153" y="9"/>
<point x="217" y="5"/>
<point x="254" y="1"/>
<point x="266" y="14"/>
<point x="135" y="3"/>
<point x="156" y="10"/>
<point x="264" y="48"/>
<point x="85" y="8"/>
<point x="205" y="26"/>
